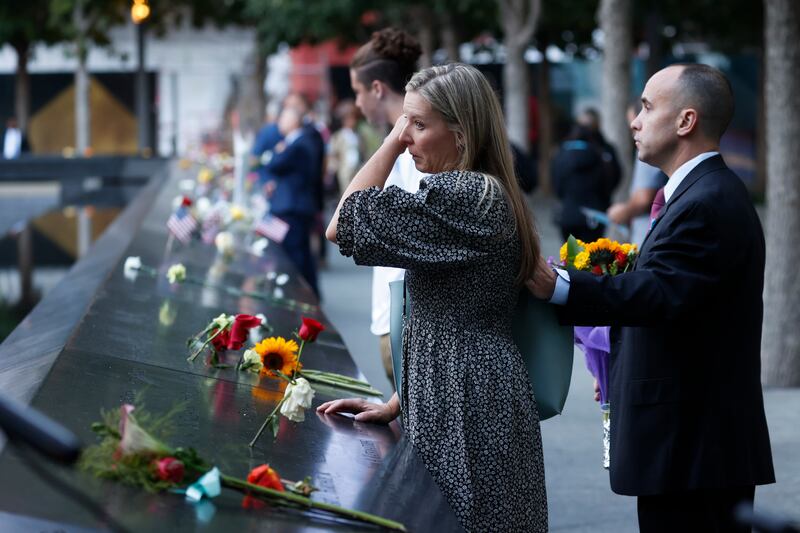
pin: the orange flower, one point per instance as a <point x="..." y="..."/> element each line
<point x="263" y="476"/>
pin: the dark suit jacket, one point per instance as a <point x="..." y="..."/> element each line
<point x="580" y="179"/>
<point x="295" y="172"/>
<point x="687" y="409"/>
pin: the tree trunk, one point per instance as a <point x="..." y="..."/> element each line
<point x="82" y="111"/>
<point x="519" y="19"/>
<point x="449" y="37"/>
<point x="22" y="96"/>
<point x="653" y="25"/>
<point x="516" y="91"/>
<point x="615" y="20"/>
<point x="422" y="18"/>
<point x="781" y="337"/>
<point x="545" y="127"/>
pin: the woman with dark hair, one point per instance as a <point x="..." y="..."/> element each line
<point x="379" y="72"/>
<point x="468" y="242"/>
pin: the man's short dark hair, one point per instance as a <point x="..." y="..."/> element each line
<point x="708" y="91"/>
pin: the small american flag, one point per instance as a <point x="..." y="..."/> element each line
<point x="272" y="228"/>
<point x="211" y="226"/>
<point x="182" y="224"/>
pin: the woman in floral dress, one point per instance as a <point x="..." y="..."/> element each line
<point x="467" y="240"/>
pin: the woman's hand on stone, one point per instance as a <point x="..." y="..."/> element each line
<point x="377" y="413"/>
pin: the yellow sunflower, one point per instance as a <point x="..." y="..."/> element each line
<point x="582" y="261"/>
<point x="278" y="354"/>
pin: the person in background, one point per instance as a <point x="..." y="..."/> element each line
<point x="581" y="178"/>
<point x="379" y="72"/>
<point x="646" y="181"/>
<point x="15" y="142"/>
<point x="344" y="149"/>
<point x="292" y="182"/>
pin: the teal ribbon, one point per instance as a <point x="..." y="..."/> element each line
<point x="208" y="485"/>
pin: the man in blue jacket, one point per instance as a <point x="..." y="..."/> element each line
<point x="291" y="186"/>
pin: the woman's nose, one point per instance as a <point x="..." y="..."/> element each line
<point x="404" y="136"/>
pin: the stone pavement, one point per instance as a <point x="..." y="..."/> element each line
<point x="577" y="486"/>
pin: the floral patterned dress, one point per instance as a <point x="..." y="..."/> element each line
<point x="467" y="403"/>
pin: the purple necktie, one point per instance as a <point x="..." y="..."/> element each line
<point x="658" y="204"/>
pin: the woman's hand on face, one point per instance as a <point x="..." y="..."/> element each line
<point x="393" y="139"/>
<point x="377" y="413"/>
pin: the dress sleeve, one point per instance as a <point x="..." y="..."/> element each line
<point x="444" y="224"/>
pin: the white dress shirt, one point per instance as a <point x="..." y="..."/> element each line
<point x="12" y="144"/>
<point x="406" y="176"/>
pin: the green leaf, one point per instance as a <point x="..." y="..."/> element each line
<point x="275" y="425"/>
<point x="573" y="249"/>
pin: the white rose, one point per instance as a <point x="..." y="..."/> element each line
<point x="176" y="273"/>
<point x="224" y="242"/>
<point x="131" y="268"/>
<point x="251" y="361"/>
<point x="297" y="399"/>
<point x="223" y="321"/>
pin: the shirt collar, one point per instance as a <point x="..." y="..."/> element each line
<point x="293" y="136"/>
<point x="679" y="175"/>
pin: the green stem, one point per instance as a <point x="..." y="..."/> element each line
<point x="203" y="347"/>
<point x="333" y="375"/>
<point x="302" y="501"/>
<point x="266" y="421"/>
<point x="369" y="391"/>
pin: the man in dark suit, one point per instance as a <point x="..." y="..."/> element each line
<point x="689" y="435"/>
<point x="292" y="190"/>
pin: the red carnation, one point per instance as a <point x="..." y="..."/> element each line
<point x="169" y="469"/>
<point x="186" y="202"/>
<point x="310" y="329"/>
<point x="220" y="341"/>
<point x="242" y="325"/>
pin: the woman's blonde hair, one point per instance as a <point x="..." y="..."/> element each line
<point x="469" y="105"/>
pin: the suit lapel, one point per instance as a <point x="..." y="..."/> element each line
<point x="710" y="164"/>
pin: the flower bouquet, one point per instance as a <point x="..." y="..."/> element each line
<point x="130" y="452"/>
<point x="602" y="257"/>
<point x="226" y="332"/>
<point x="280" y="358"/>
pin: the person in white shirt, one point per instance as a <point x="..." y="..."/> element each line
<point x="379" y="72"/>
<point x="15" y="143"/>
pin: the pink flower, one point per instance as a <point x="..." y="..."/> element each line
<point x="169" y="469"/>
<point x="136" y="440"/>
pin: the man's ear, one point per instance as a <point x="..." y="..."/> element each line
<point x="687" y="122"/>
<point x="377" y="88"/>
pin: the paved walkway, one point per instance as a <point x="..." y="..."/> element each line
<point x="578" y="493"/>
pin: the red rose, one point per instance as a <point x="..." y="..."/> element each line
<point x="169" y="469"/>
<point x="622" y="259"/>
<point x="263" y="476"/>
<point x="242" y="325"/>
<point x="220" y="341"/>
<point x="310" y="329"/>
<point x="186" y="202"/>
<point x="597" y="270"/>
